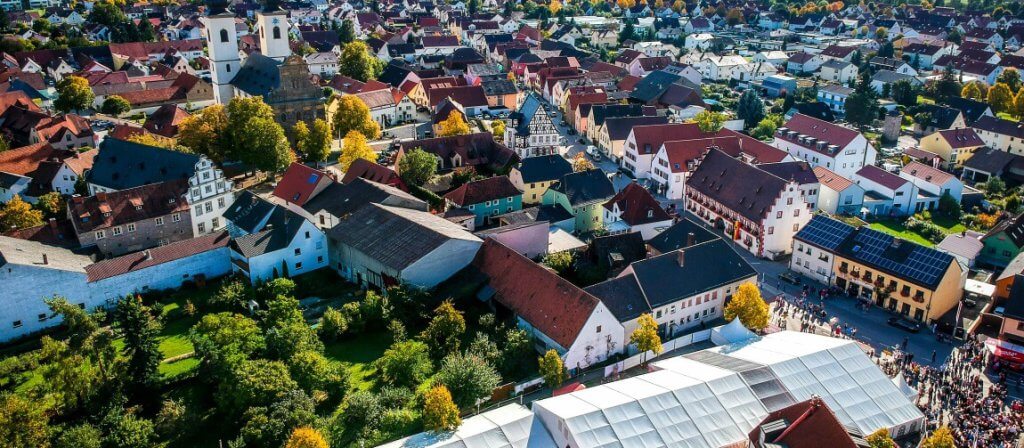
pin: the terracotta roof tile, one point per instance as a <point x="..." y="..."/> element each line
<point x="637" y="205"/>
<point x="156" y="256"/>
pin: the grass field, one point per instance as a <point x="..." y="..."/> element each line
<point x="359" y="354"/>
<point x="897" y="229"/>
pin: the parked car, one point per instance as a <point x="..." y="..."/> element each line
<point x="790" y="278"/>
<point x="905" y="324"/>
<point x="592" y="151"/>
<point x="571" y="131"/>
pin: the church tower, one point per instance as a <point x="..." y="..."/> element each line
<point x="222" y="42"/>
<point x="273" y="28"/>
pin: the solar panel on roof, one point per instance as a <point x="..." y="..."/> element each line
<point x="825" y="232"/>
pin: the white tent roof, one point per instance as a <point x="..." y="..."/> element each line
<point x="715" y="397"/>
<point x="731" y="333"/>
<point x="908" y="391"/>
<point x="511" y="426"/>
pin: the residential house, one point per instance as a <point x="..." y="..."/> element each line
<point x="778" y="85"/>
<point x="536" y="174"/>
<point x="835" y="97"/>
<point x="821" y="143"/>
<point x="684" y="233"/>
<point x="803" y="63"/>
<point x="988" y="162"/>
<point x="879" y="63"/>
<point x="931" y="184"/>
<point x="557" y="314"/>
<point x="531" y="131"/>
<point x="917" y="282"/>
<point x="1003" y="242"/>
<point x="282" y="244"/>
<point x="473" y="150"/>
<point x="886" y="194"/>
<point x="582" y="194"/>
<point x="365" y="169"/>
<point x="380" y="246"/>
<point x="1001" y="134"/>
<point x="612" y="136"/>
<point x="634" y="209"/>
<point x="838" y="71"/>
<point x="884" y="78"/>
<point x="801" y="173"/>
<point x="134" y="219"/>
<point x="682" y="290"/>
<point x="923" y="56"/>
<point x="486" y="198"/>
<point x="301" y="183"/>
<point x="956" y="146"/>
<point x="26" y="266"/>
<point x="838" y="195"/>
<point x="34" y="170"/>
<point x="759" y="210"/>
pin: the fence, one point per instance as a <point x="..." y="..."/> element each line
<point x="667" y="347"/>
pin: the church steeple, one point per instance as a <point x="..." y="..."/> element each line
<point x="222" y="43"/>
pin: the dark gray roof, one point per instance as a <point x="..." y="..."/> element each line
<point x="248" y="211"/>
<point x="120" y="165"/>
<point x="619" y="127"/>
<point x="523" y="117"/>
<point x="277" y="234"/>
<point x="706" y="266"/>
<point x="395" y="237"/>
<point x="339" y="199"/>
<point x="675" y="236"/>
<point x="544" y="168"/>
<point x="800" y="172"/>
<point x="7" y="180"/>
<point x="972" y="109"/>
<point x="498" y="87"/>
<point x="622" y="296"/>
<point x="653" y="85"/>
<point x="990" y="160"/>
<point x="889" y="76"/>
<point x="603" y="111"/>
<point x="258" y="75"/>
<point x="585" y="186"/>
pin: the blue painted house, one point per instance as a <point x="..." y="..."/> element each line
<point x="486" y="198"/>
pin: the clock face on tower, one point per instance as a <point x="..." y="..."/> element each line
<point x="275" y="21"/>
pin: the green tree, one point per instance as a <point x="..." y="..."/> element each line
<point x="1010" y="77"/>
<point x="354" y="147"/>
<point x="253" y="137"/>
<point x="204" y="133"/>
<point x="861" y="108"/>
<point x="1000" y="98"/>
<point x="562" y="262"/>
<point x="361" y="413"/>
<point x="750" y="108"/>
<point x="332" y="325"/>
<point x="628" y="32"/>
<point x="516" y="353"/>
<point x="317" y="144"/>
<point x="886" y="50"/>
<point x="271" y="425"/>
<point x="73" y="94"/>
<point x="645" y="337"/>
<point x="880" y="439"/>
<point x="708" y="121"/>
<point x="749" y="307"/>
<point x="552" y="369"/>
<point x="416" y="167"/>
<point x="348" y="32"/>
<point x="115" y="105"/>
<point x="106" y="13"/>
<point x="254" y="383"/>
<point x="356" y="62"/>
<point x="946" y="86"/>
<point x="468" y="377"/>
<point x="300" y="132"/>
<point x="766" y="127"/>
<point x="972" y="91"/>
<point x="995" y="186"/>
<point x="18" y="214"/>
<point x="1018" y="105"/>
<point x="52" y="205"/>
<point x="352" y="114"/>
<point x="314" y="373"/>
<point x="405" y="364"/>
<point x="125" y="430"/>
<point x="940" y="438"/>
<point x="135" y="325"/>
<point x="445" y="330"/>
<point x="439" y="411"/>
<point x="23" y="423"/>
<point x="80" y="436"/>
<point x="223" y="340"/>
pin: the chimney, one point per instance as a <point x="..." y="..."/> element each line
<point x="46" y="260"/>
<point x="147" y="255"/>
<point x="681" y="257"/>
<point x="690" y="239"/>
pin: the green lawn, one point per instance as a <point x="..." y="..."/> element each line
<point x="897" y="229"/>
<point x="173" y="369"/>
<point x="359" y="354"/>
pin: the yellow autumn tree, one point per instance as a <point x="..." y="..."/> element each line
<point x="498" y="129"/>
<point x="554" y="7"/>
<point x="18" y="214"/>
<point x="971" y="90"/>
<point x="749" y="307"/>
<point x="645" y="337"/>
<point x="453" y="125"/>
<point x="439" y="411"/>
<point x="626" y="4"/>
<point x="354" y="147"/>
<point x="1018" y="104"/>
<point x="1000" y="97"/>
<point x="306" y="437"/>
<point x="940" y="438"/>
<point x="581" y="163"/>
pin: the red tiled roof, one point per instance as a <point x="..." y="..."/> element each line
<point x="927" y="173"/>
<point x="19" y="98"/>
<point x="683" y="155"/>
<point x="25" y="160"/>
<point x="365" y="169"/>
<point x="164" y="121"/>
<point x="80" y="162"/>
<point x="156" y="256"/>
<point x="808" y="424"/>
<point x="467" y="96"/>
<point x="142" y="50"/>
<point x="740" y="187"/>
<point x="628" y="82"/>
<point x="124" y="131"/>
<point x="838" y="51"/>
<point x="831" y="179"/>
<point x="440" y="41"/>
<point x="299" y="183"/>
<point x="475" y="192"/>
<point x="54" y="233"/>
<point x="549" y="303"/>
<point x="637" y="205"/>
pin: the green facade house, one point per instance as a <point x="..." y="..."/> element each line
<point x="1003" y="242"/>
<point x="583" y="194"/>
<point x="486" y="198"/>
